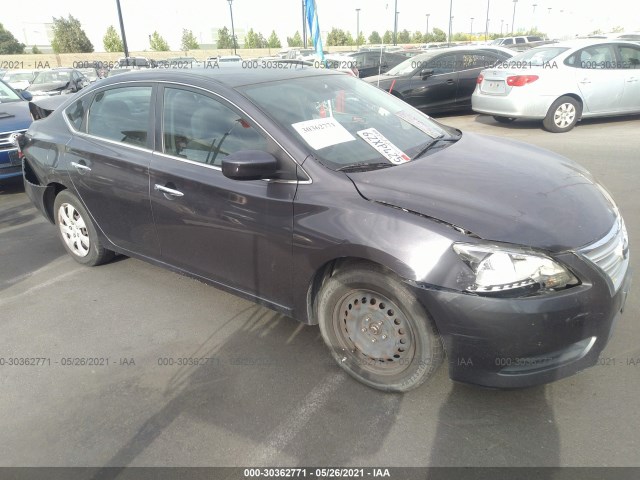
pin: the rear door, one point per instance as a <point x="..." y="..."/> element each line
<point x="471" y="64"/>
<point x="629" y="64"/>
<point x="238" y="233"/>
<point x="600" y="83"/>
<point x="108" y="161"/>
<point x="438" y="90"/>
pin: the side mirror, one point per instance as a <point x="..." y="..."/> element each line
<point x="26" y="95"/>
<point x="426" y="73"/>
<point x="249" y="165"/>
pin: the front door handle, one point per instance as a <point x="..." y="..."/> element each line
<point x="80" y="167"/>
<point x="450" y="82"/>
<point x="168" y="191"/>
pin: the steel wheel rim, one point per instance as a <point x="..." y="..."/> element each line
<point x="373" y="333"/>
<point x="564" y="115"/>
<point x="74" y="230"/>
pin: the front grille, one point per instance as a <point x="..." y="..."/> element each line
<point x="611" y="254"/>
<point x="5" y="140"/>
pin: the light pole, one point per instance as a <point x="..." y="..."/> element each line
<point x="471" y="30"/>
<point x="233" y="30"/>
<point x="450" y="19"/>
<point x="513" y="19"/>
<point x="304" y="24"/>
<point x="534" y="7"/>
<point x="124" y="37"/>
<point x="428" y="15"/>
<point x="395" y="24"/>
<point x="501" y="25"/>
<point x="486" y="25"/>
<point x="357" y="26"/>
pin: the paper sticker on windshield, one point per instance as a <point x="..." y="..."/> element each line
<point x="419" y="124"/>
<point x="322" y="132"/>
<point x="387" y="149"/>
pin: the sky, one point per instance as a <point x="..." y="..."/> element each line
<point x="141" y="17"/>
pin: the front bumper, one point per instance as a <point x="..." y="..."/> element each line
<point x="10" y="164"/>
<point x="522" y="342"/>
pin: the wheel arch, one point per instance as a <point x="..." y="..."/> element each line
<point x="327" y="270"/>
<point x="576" y="97"/>
<point x="49" y="198"/>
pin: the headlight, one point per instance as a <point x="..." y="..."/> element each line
<point x="511" y="271"/>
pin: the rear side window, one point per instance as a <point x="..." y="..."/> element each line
<point x="508" y="41"/>
<point x="76" y="112"/>
<point x="520" y="40"/>
<point x="121" y="114"/>
<point x="629" y="56"/>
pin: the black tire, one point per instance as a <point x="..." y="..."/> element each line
<point x="77" y="231"/>
<point x="364" y="302"/>
<point x="562" y="115"/>
<point x="503" y="119"/>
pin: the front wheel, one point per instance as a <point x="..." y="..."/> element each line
<point x="562" y="115"/>
<point x="77" y="232"/>
<point x="376" y="329"/>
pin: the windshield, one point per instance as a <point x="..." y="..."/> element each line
<point x="346" y="121"/>
<point x="52" y="77"/>
<point x="7" y="95"/>
<point x="410" y="64"/>
<point x="538" y="56"/>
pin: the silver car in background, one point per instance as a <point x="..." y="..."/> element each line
<point x="563" y="83"/>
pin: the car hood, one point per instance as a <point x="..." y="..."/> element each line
<point x="47" y="87"/>
<point x="14" y="116"/>
<point x="499" y="190"/>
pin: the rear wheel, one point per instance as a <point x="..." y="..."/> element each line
<point x="77" y="232"/>
<point x="376" y="329"/>
<point x="562" y="115"/>
<point x="503" y="119"/>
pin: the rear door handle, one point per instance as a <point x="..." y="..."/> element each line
<point x="632" y="79"/>
<point x="80" y="167"/>
<point x="168" y="191"/>
<point x="450" y="82"/>
<point x="585" y="80"/>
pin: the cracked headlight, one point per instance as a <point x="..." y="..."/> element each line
<point x="510" y="271"/>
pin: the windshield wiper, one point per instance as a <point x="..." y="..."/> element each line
<point x="363" y="166"/>
<point x="432" y="144"/>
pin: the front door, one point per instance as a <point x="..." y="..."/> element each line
<point x="238" y="233"/>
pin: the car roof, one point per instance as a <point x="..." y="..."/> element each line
<point x="231" y="77"/>
<point x="585" y="42"/>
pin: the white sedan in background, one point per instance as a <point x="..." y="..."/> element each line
<point x="563" y="83"/>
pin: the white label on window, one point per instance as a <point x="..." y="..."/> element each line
<point x="387" y="149"/>
<point x="322" y="132"/>
<point x="419" y="124"/>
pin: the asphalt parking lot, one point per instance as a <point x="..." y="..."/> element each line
<point x="269" y="393"/>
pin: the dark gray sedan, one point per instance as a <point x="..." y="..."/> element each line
<point x="333" y="202"/>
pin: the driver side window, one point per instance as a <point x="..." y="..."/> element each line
<point x="201" y="129"/>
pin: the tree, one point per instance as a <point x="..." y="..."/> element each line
<point x="404" y="36"/>
<point x="361" y="40"/>
<point x="189" y="41"/>
<point x="417" y="37"/>
<point x="617" y="29"/>
<point x="35" y="50"/>
<point x="439" y="35"/>
<point x="157" y="43"/>
<point x="338" y="37"/>
<point x="69" y="37"/>
<point x="296" y="41"/>
<point x="111" y="41"/>
<point x="224" y="38"/>
<point x="387" y="38"/>
<point x="274" y="41"/>
<point x="460" y="37"/>
<point x="254" y="40"/>
<point x="374" y="38"/>
<point x="8" y="43"/>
